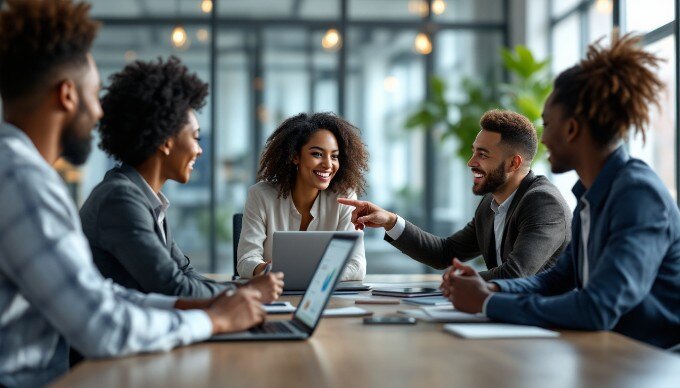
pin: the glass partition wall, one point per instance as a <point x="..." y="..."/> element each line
<point x="367" y="60"/>
<point x="577" y="23"/>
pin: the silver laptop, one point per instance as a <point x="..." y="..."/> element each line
<point x="297" y="253"/>
<point x="306" y="317"/>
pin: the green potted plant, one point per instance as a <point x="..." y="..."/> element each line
<point x="526" y="93"/>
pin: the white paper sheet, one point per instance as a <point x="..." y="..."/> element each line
<point x="350" y="311"/>
<point x="450" y="314"/>
<point x="498" y="330"/>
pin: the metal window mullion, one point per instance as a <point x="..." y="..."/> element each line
<point x="213" y="139"/>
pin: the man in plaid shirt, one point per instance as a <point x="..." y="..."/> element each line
<point x="51" y="294"/>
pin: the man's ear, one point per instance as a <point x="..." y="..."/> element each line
<point x="68" y="98"/>
<point x="574" y="129"/>
<point x="167" y="146"/>
<point x="516" y="162"/>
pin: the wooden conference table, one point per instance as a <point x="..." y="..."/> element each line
<point x="345" y="353"/>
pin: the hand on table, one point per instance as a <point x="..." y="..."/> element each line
<point x="236" y="311"/>
<point x="270" y="286"/>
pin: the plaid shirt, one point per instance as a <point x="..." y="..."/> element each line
<point x="51" y="294"/>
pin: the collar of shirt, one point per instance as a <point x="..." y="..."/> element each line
<point x="502" y="208"/>
<point x="159" y="202"/>
<point x="7" y="129"/>
<point x="600" y="188"/>
<point x="314" y="211"/>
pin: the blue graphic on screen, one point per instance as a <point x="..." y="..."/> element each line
<point x="327" y="282"/>
<point x="331" y="265"/>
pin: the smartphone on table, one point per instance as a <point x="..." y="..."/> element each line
<point x="389" y="321"/>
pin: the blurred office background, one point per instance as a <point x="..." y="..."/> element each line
<point x="369" y="61"/>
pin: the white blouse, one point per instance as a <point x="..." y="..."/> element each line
<point x="265" y="214"/>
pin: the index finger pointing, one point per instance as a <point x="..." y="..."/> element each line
<point x="351" y="202"/>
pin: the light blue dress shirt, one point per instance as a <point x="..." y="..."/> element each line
<point x="499" y="214"/>
<point x="50" y="291"/>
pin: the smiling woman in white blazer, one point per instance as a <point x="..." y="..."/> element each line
<point x="307" y="164"/>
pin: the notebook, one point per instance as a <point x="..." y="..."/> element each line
<point x="449" y="314"/>
<point x="428" y="301"/>
<point x="498" y="330"/>
<point x="407" y="292"/>
<point x="349" y="311"/>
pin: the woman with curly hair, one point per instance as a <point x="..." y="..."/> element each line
<point x="150" y="126"/>
<point x="308" y="163"/>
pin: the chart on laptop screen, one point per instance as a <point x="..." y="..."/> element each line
<point x="321" y="285"/>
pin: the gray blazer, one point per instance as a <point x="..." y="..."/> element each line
<point x="537" y="229"/>
<point x="126" y="241"/>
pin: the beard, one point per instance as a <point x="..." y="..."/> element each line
<point x="492" y="181"/>
<point x="76" y="141"/>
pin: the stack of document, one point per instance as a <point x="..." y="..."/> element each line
<point x="498" y="330"/>
<point x="428" y="301"/>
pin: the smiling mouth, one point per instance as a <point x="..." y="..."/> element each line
<point x="191" y="164"/>
<point x="477" y="174"/>
<point x="322" y="174"/>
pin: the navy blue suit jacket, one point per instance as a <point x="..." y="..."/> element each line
<point x="633" y="257"/>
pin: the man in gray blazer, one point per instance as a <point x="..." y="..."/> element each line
<point x="521" y="224"/>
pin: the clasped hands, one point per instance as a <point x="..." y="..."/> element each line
<point x="463" y="286"/>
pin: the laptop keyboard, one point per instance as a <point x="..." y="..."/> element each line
<point x="271" y="328"/>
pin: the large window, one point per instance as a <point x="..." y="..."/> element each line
<point x="575" y="24"/>
<point x="655" y="19"/>
<point x="268" y="60"/>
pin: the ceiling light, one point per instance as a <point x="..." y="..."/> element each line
<point x="438" y="7"/>
<point x="202" y="35"/>
<point x="418" y="7"/>
<point x="331" y="40"/>
<point x="206" y="6"/>
<point x="604" y="6"/>
<point x="422" y="44"/>
<point x="179" y="36"/>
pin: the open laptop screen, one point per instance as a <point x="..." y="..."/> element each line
<point x="324" y="279"/>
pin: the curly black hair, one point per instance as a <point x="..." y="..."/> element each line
<point x="276" y="162"/>
<point x="39" y="38"/>
<point x="147" y="103"/>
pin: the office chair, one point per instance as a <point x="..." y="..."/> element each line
<point x="237" y="224"/>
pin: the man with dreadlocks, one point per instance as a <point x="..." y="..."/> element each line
<point x="621" y="271"/>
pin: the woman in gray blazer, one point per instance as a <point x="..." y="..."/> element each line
<point x="150" y="126"/>
<point x="308" y="162"/>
